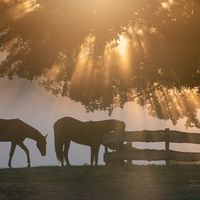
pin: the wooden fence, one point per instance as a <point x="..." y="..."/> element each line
<point x="126" y="152"/>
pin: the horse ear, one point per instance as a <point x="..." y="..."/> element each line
<point x="46" y="135"/>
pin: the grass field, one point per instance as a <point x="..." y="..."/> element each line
<point x="116" y="183"/>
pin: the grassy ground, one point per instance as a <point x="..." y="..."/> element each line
<point x="116" y="183"/>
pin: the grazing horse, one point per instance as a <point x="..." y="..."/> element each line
<point x="87" y="133"/>
<point x="15" y="131"/>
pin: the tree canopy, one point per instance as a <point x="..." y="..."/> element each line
<point x="105" y="53"/>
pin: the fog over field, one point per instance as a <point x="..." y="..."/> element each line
<point x="31" y="103"/>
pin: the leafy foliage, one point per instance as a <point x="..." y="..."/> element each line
<point x="105" y="53"/>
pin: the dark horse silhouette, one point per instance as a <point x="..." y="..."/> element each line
<point x="87" y="133"/>
<point x="15" y="131"/>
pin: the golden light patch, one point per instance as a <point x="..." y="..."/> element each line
<point x="124" y="54"/>
<point x="22" y="9"/>
<point x="84" y="62"/>
<point x="55" y="69"/>
<point x="122" y="46"/>
<point x="167" y="4"/>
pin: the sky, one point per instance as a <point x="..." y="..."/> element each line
<point x="31" y="103"/>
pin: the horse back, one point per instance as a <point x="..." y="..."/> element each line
<point x="77" y="131"/>
<point x="11" y="130"/>
<point x="88" y="133"/>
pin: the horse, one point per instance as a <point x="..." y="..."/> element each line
<point x="15" y="131"/>
<point x="88" y="133"/>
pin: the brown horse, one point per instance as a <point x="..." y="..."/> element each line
<point x="87" y="133"/>
<point x="15" y="131"/>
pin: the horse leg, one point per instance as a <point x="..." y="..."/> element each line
<point x="92" y="155"/>
<point x="12" y="149"/>
<point x="27" y="153"/>
<point x="61" y="158"/>
<point x="96" y="154"/>
<point x="66" y="150"/>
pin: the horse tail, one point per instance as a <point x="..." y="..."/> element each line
<point x="58" y="143"/>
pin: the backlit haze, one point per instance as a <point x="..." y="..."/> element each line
<point x="68" y="59"/>
<point x="31" y="103"/>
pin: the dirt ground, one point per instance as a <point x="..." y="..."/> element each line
<point x="101" y="183"/>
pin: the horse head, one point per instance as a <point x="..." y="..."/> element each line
<point x="41" y="144"/>
<point x="119" y="127"/>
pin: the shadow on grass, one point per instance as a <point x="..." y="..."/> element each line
<point x="102" y="182"/>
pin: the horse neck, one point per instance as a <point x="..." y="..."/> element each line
<point x="34" y="135"/>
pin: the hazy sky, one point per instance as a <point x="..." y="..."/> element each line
<point x="31" y="103"/>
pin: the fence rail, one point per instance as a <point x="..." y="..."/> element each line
<point x="167" y="136"/>
<point x="153" y="136"/>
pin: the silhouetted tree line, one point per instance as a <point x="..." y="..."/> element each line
<point x="44" y="40"/>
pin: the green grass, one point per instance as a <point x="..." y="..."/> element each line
<point x="116" y="183"/>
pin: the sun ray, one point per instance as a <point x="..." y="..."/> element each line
<point x="84" y="63"/>
<point x="23" y="8"/>
<point x="123" y="50"/>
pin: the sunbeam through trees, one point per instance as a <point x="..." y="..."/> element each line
<point x="104" y="53"/>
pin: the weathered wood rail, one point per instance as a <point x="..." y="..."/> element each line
<point x="126" y="152"/>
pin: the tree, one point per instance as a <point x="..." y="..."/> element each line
<point x="105" y="53"/>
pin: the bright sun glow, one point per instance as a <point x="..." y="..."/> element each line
<point x="124" y="56"/>
<point x="122" y="45"/>
<point x="84" y="62"/>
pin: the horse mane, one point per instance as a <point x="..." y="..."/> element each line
<point x="35" y="134"/>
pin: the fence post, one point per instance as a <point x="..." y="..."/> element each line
<point x="106" y="151"/>
<point x="166" y="136"/>
<point x="129" y="146"/>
